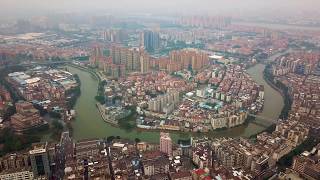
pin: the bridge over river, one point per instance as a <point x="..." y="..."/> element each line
<point x="266" y="120"/>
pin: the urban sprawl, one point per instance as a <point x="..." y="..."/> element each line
<point x="190" y="78"/>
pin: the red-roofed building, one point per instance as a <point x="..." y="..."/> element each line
<point x="200" y="174"/>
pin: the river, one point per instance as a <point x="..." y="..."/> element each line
<point x="89" y="124"/>
<point x="278" y="26"/>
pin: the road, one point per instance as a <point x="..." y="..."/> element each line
<point x="64" y="151"/>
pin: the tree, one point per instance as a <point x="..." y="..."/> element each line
<point x="100" y="99"/>
<point x="57" y="129"/>
<point x="110" y="139"/>
<point x="11" y="141"/>
<point x="9" y="112"/>
<point x="76" y="77"/>
<point x="74" y="93"/>
<point x="57" y="125"/>
<point x="54" y="114"/>
<point x="137" y="140"/>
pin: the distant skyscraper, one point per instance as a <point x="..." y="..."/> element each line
<point x="144" y="63"/>
<point x="165" y="143"/>
<point x="129" y="60"/>
<point x="96" y="54"/>
<point x="97" y="51"/>
<point x="136" y="60"/>
<point x="151" y="40"/>
<point x="116" y="54"/>
<point x="115" y="35"/>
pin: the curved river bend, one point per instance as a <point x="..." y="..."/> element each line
<point x="89" y="124"/>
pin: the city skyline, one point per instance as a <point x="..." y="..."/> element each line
<point x="159" y="90"/>
<point x="285" y="8"/>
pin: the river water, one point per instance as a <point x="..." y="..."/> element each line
<point x="278" y="26"/>
<point x="89" y="124"/>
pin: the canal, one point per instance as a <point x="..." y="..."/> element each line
<point x="89" y="124"/>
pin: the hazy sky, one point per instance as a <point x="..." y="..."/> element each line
<point x="164" y="6"/>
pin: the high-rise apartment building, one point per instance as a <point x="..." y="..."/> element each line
<point x="125" y="56"/>
<point x="115" y="35"/>
<point x="204" y="21"/>
<point x="164" y="103"/>
<point x="151" y="40"/>
<point x="144" y="63"/>
<point x="116" y="54"/>
<point x="122" y="60"/>
<point x="135" y="60"/>
<point x="165" y="143"/>
<point x="187" y="59"/>
<point x="96" y="54"/>
<point x="40" y="160"/>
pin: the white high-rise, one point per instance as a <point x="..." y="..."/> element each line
<point x="165" y="143"/>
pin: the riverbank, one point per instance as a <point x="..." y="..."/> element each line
<point x="278" y="26"/>
<point x="104" y="117"/>
<point x="49" y="130"/>
<point x="274" y="101"/>
<point x="287" y="101"/>
<point x="283" y="90"/>
<point x="92" y="72"/>
<point x="89" y="123"/>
